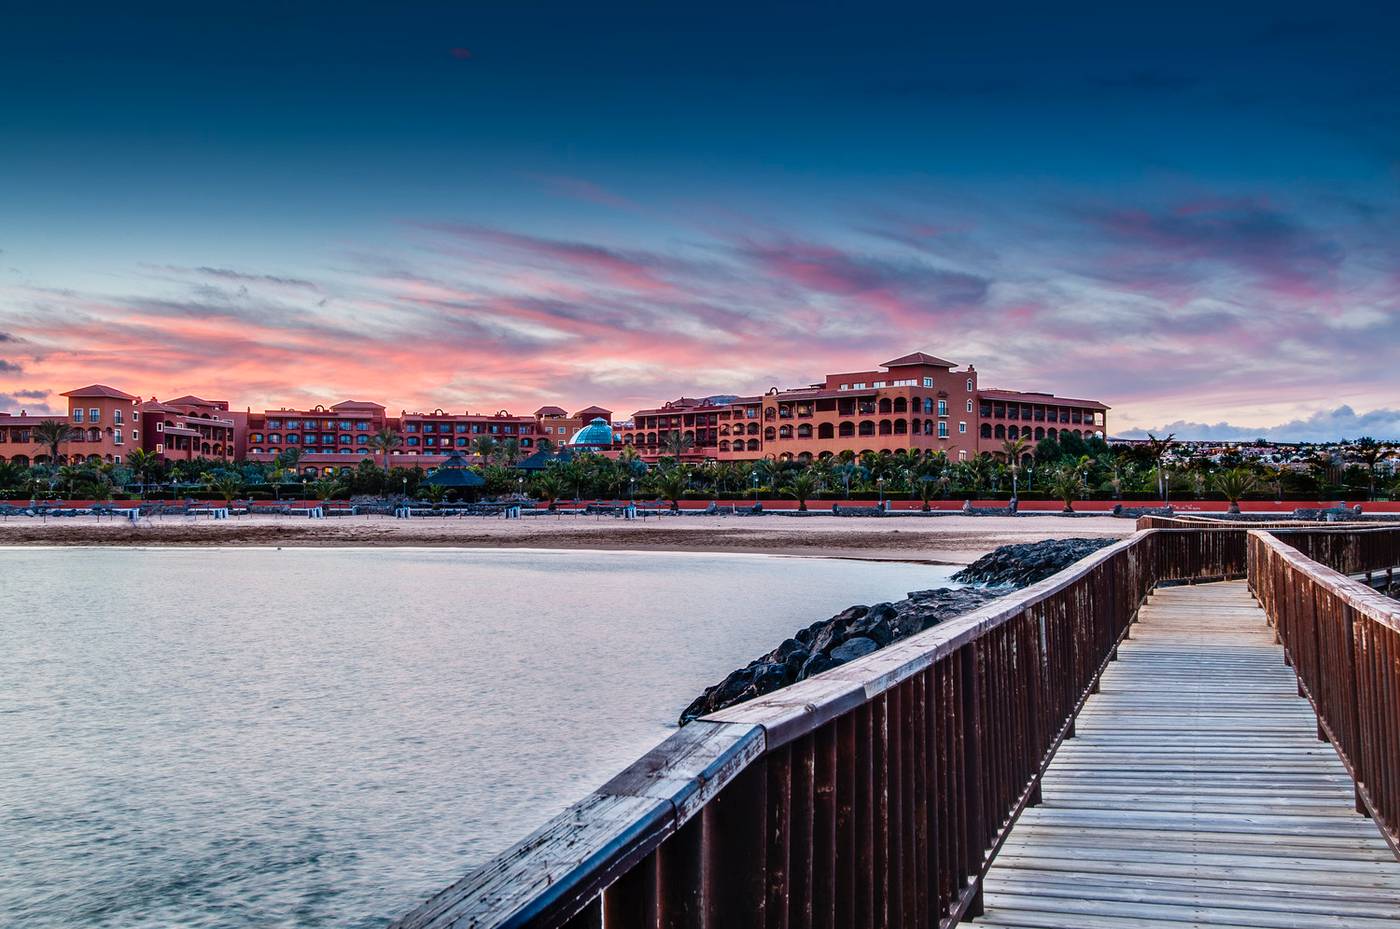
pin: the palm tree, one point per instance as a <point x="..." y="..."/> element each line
<point x="483" y="446"/>
<point x="1234" y="484"/>
<point x="1158" y="449"/>
<point x="801" y="486"/>
<point x="549" y="487"/>
<point x="140" y="462"/>
<point x="508" y="451"/>
<point x="385" y="441"/>
<point x="1370" y="452"/>
<point x="676" y="444"/>
<point x="672" y="484"/>
<point x="228" y="486"/>
<point x="1274" y="475"/>
<point x="1013" y="449"/>
<point x="1065" y="484"/>
<point x="327" y="487"/>
<point x="53" y="433"/>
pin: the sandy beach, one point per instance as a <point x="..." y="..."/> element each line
<point x="943" y="539"/>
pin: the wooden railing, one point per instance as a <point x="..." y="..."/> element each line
<point x="873" y="794"/>
<point x="1343" y="640"/>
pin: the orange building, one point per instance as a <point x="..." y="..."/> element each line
<point x="917" y="401"/>
<point x="106" y="425"/>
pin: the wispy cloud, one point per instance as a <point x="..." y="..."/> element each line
<point x="1321" y="426"/>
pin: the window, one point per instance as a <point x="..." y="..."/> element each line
<point x="94" y="414"/>
<point x="413" y="440"/>
<point x="969" y="384"/>
<point x="928" y="382"/>
<point x="962" y="454"/>
<point x="962" y="428"/>
<point x="942" y="407"/>
<point x="860" y="386"/>
<point x="117" y="417"/>
<point x="942" y="429"/>
<point x="844" y="387"/>
<point x="116" y="436"/>
<point x="293" y="439"/>
<point x="361" y="440"/>
<point x="878" y="384"/>
<point x="78" y="414"/>
<point x="969" y="406"/>
<point x="135" y="434"/>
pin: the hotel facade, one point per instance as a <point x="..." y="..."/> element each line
<point x="914" y="402"/>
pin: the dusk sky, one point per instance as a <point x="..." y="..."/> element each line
<point x="1191" y="214"/>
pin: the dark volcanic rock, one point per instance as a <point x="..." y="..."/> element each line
<point x="856" y="631"/>
<point x="1024" y="564"/>
<point x="860" y="630"/>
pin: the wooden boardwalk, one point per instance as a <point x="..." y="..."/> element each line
<point x="1195" y="793"/>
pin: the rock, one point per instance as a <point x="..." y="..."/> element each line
<point x="852" y="649"/>
<point x="1024" y="564"/>
<point x="860" y="630"/>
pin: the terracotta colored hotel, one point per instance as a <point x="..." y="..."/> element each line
<point x="916" y="401"/>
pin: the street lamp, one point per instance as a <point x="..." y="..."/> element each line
<point x="755" y="488"/>
<point x="880" y="483"/>
<point x="405" y="487"/>
<point x="631" y="488"/>
<point x="520" y="486"/>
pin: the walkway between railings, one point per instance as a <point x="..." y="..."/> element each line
<point x="1195" y="792"/>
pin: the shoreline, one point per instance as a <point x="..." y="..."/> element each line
<point x="949" y="540"/>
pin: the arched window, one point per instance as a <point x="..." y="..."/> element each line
<point x="986" y="430"/>
<point x="867" y="427"/>
<point x="1013" y="432"/>
<point x="928" y="405"/>
<point x="847" y="429"/>
<point x="827" y="431"/>
<point x="885" y="405"/>
<point x="804" y="431"/>
<point x="770" y="434"/>
<point x="886" y="427"/>
<point x="900" y="427"/>
<point x="753" y="428"/>
<point x="1001" y="431"/>
<point x="901" y="405"/>
<point x="916" y="427"/>
<point x="1052" y="433"/>
<point x="753" y="445"/>
<point x="724" y="445"/>
<point x="1039" y="433"/>
<point x="785" y="431"/>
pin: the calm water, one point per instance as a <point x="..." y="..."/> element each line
<point x="317" y="737"/>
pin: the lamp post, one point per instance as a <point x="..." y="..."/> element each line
<point x="405" y="487"/>
<point x="631" y="489"/>
<point x="520" y="486"/>
<point x="755" y="488"/>
<point x="880" y="483"/>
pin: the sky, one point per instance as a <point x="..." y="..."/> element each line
<point x="1190" y="213"/>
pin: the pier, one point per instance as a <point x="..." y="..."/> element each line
<point x="1199" y="725"/>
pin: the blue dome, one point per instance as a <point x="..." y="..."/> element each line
<point x="597" y="432"/>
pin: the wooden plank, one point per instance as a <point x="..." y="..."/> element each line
<point x="1197" y="793"/>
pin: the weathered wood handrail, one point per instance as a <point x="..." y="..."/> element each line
<point x="1343" y="641"/>
<point x="873" y="794"/>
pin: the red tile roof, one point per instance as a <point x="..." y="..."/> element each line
<point x="590" y="411"/>
<point x="1024" y="396"/>
<point x="100" y="390"/>
<point x="551" y="411"/>
<point x="918" y="358"/>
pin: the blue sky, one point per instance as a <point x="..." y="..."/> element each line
<point x="1190" y="213"/>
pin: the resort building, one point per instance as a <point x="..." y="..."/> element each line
<point x="917" y="401"/>
<point x="188" y="427"/>
<point x="106" y="425"/>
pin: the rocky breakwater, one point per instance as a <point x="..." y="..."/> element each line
<point x="860" y="630"/>
<point x="1026" y="563"/>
